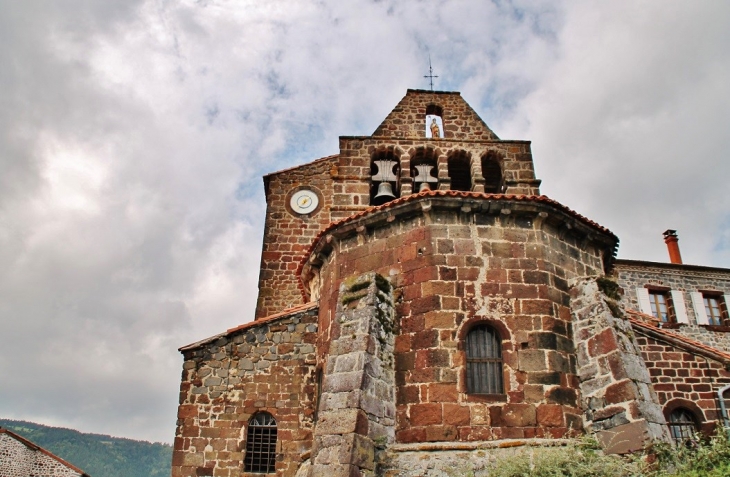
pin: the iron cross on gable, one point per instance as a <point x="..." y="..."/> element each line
<point x="430" y="74"/>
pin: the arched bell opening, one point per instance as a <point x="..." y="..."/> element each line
<point x="492" y="173"/>
<point x="434" y="121"/>
<point x="423" y="170"/>
<point x="384" y="173"/>
<point x="459" y="168"/>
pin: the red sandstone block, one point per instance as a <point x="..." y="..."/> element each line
<point x="438" y="392"/>
<point x="424" y="339"/>
<point x="408" y="394"/>
<point x="411" y="324"/>
<point x="518" y="415"/>
<point x="425" y="304"/>
<point x="536" y="307"/>
<point x="550" y="415"/>
<point x="425" y="414"/>
<point x="186" y="411"/>
<point x="439" y="320"/>
<point x="426" y="273"/>
<point x="402" y="343"/>
<point x="425" y="375"/>
<point x="441" y="433"/>
<point x="456" y="415"/>
<point x="622" y="391"/>
<point x="603" y="343"/>
<point x="407" y="436"/>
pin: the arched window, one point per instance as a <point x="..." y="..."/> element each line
<point x="483" y="361"/>
<point x="261" y="444"/>
<point x="492" y="173"/>
<point x="460" y="171"/>
<point x="384" y="171"/>
<point x="682" y="425"/>
<point x="434" y="121"/>
<point x="423" y="168"/>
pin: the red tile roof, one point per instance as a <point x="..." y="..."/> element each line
<point x="446" y="193"/>
<point x="37" y="448"/>
<point x="647" y="325"/>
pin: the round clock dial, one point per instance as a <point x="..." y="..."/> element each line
<point x="304" y="201"/>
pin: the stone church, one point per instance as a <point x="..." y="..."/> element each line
<point x="421" y="306"/>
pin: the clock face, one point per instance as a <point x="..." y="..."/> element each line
<point x="304" y="201"/>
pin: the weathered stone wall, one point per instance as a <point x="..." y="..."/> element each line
<point x="683" y="379"/>
<point x="454" y="263"/>
<point x="19" y="460"/>
<point x="357" y="406"/>
<point x="684" y="278"/>
<point x="287" y="236"/>
<point x="344" y="182"/>
<point x="407" y="120"/>
<point x="262" y="366"/>
<point x="620" y="406"/>
<point x="356" y="154"/>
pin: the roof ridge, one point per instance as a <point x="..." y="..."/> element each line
<point x="441" y="193"/>
<point x="33" y="446"/>
<point x="689" y="344"/>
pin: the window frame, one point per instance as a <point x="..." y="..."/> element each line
<point x="484" y="361"/>
<point x="682" y="431"/>
<point x="260" y="457"/>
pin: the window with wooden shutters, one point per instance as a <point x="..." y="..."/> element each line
<point x="483" y="361"/>
<point x="261" y="444"/>
<point x="659" y="305"/>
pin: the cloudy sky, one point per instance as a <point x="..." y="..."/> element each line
<point x="134" y="134"/>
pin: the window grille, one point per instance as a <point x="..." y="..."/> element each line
<point x="483" y="361"/>
<point x="261" y="444"/>
<point x="682" y="425"/>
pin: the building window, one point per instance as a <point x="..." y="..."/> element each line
<point x="713" y="310"/>
<point x="261" y="444"/>
<point x="659" y="305"/>
<point x="483" y="361"/>
<point x="682" y="425"/>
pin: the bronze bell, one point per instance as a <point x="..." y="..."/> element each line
<point x="385" y="192"/>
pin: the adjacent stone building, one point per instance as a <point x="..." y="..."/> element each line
<point x="421" y="305"/>
<point x="19" y="457"/>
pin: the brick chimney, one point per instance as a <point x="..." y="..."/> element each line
<point x="672" y="241"/>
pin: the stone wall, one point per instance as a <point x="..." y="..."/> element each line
<point x="356" y="154"/>
<point x="455" y="263"/>
<point x="357" y="407"/>
<point x="261" y="366"/>
<point x="287" y="236"/>
<point x="407" y="120"/>
<point x="684" y="278"/>
<point x="684" y="379"/>
<point x="19" y="459"/>
<point x="620" y="406"/>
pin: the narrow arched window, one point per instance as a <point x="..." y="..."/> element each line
<point x="492" y="173"/>
<point x="483" y="361"/>
<point x="261" y="444"/>
<point x="682" y="425"/>
<point x="459" y="168"/>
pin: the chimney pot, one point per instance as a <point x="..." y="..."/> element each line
<point x="672" y="241"/>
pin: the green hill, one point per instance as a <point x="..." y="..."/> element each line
<point x="96" y="454"/>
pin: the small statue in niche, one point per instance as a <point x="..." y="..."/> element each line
<point x="435" y="131"/>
